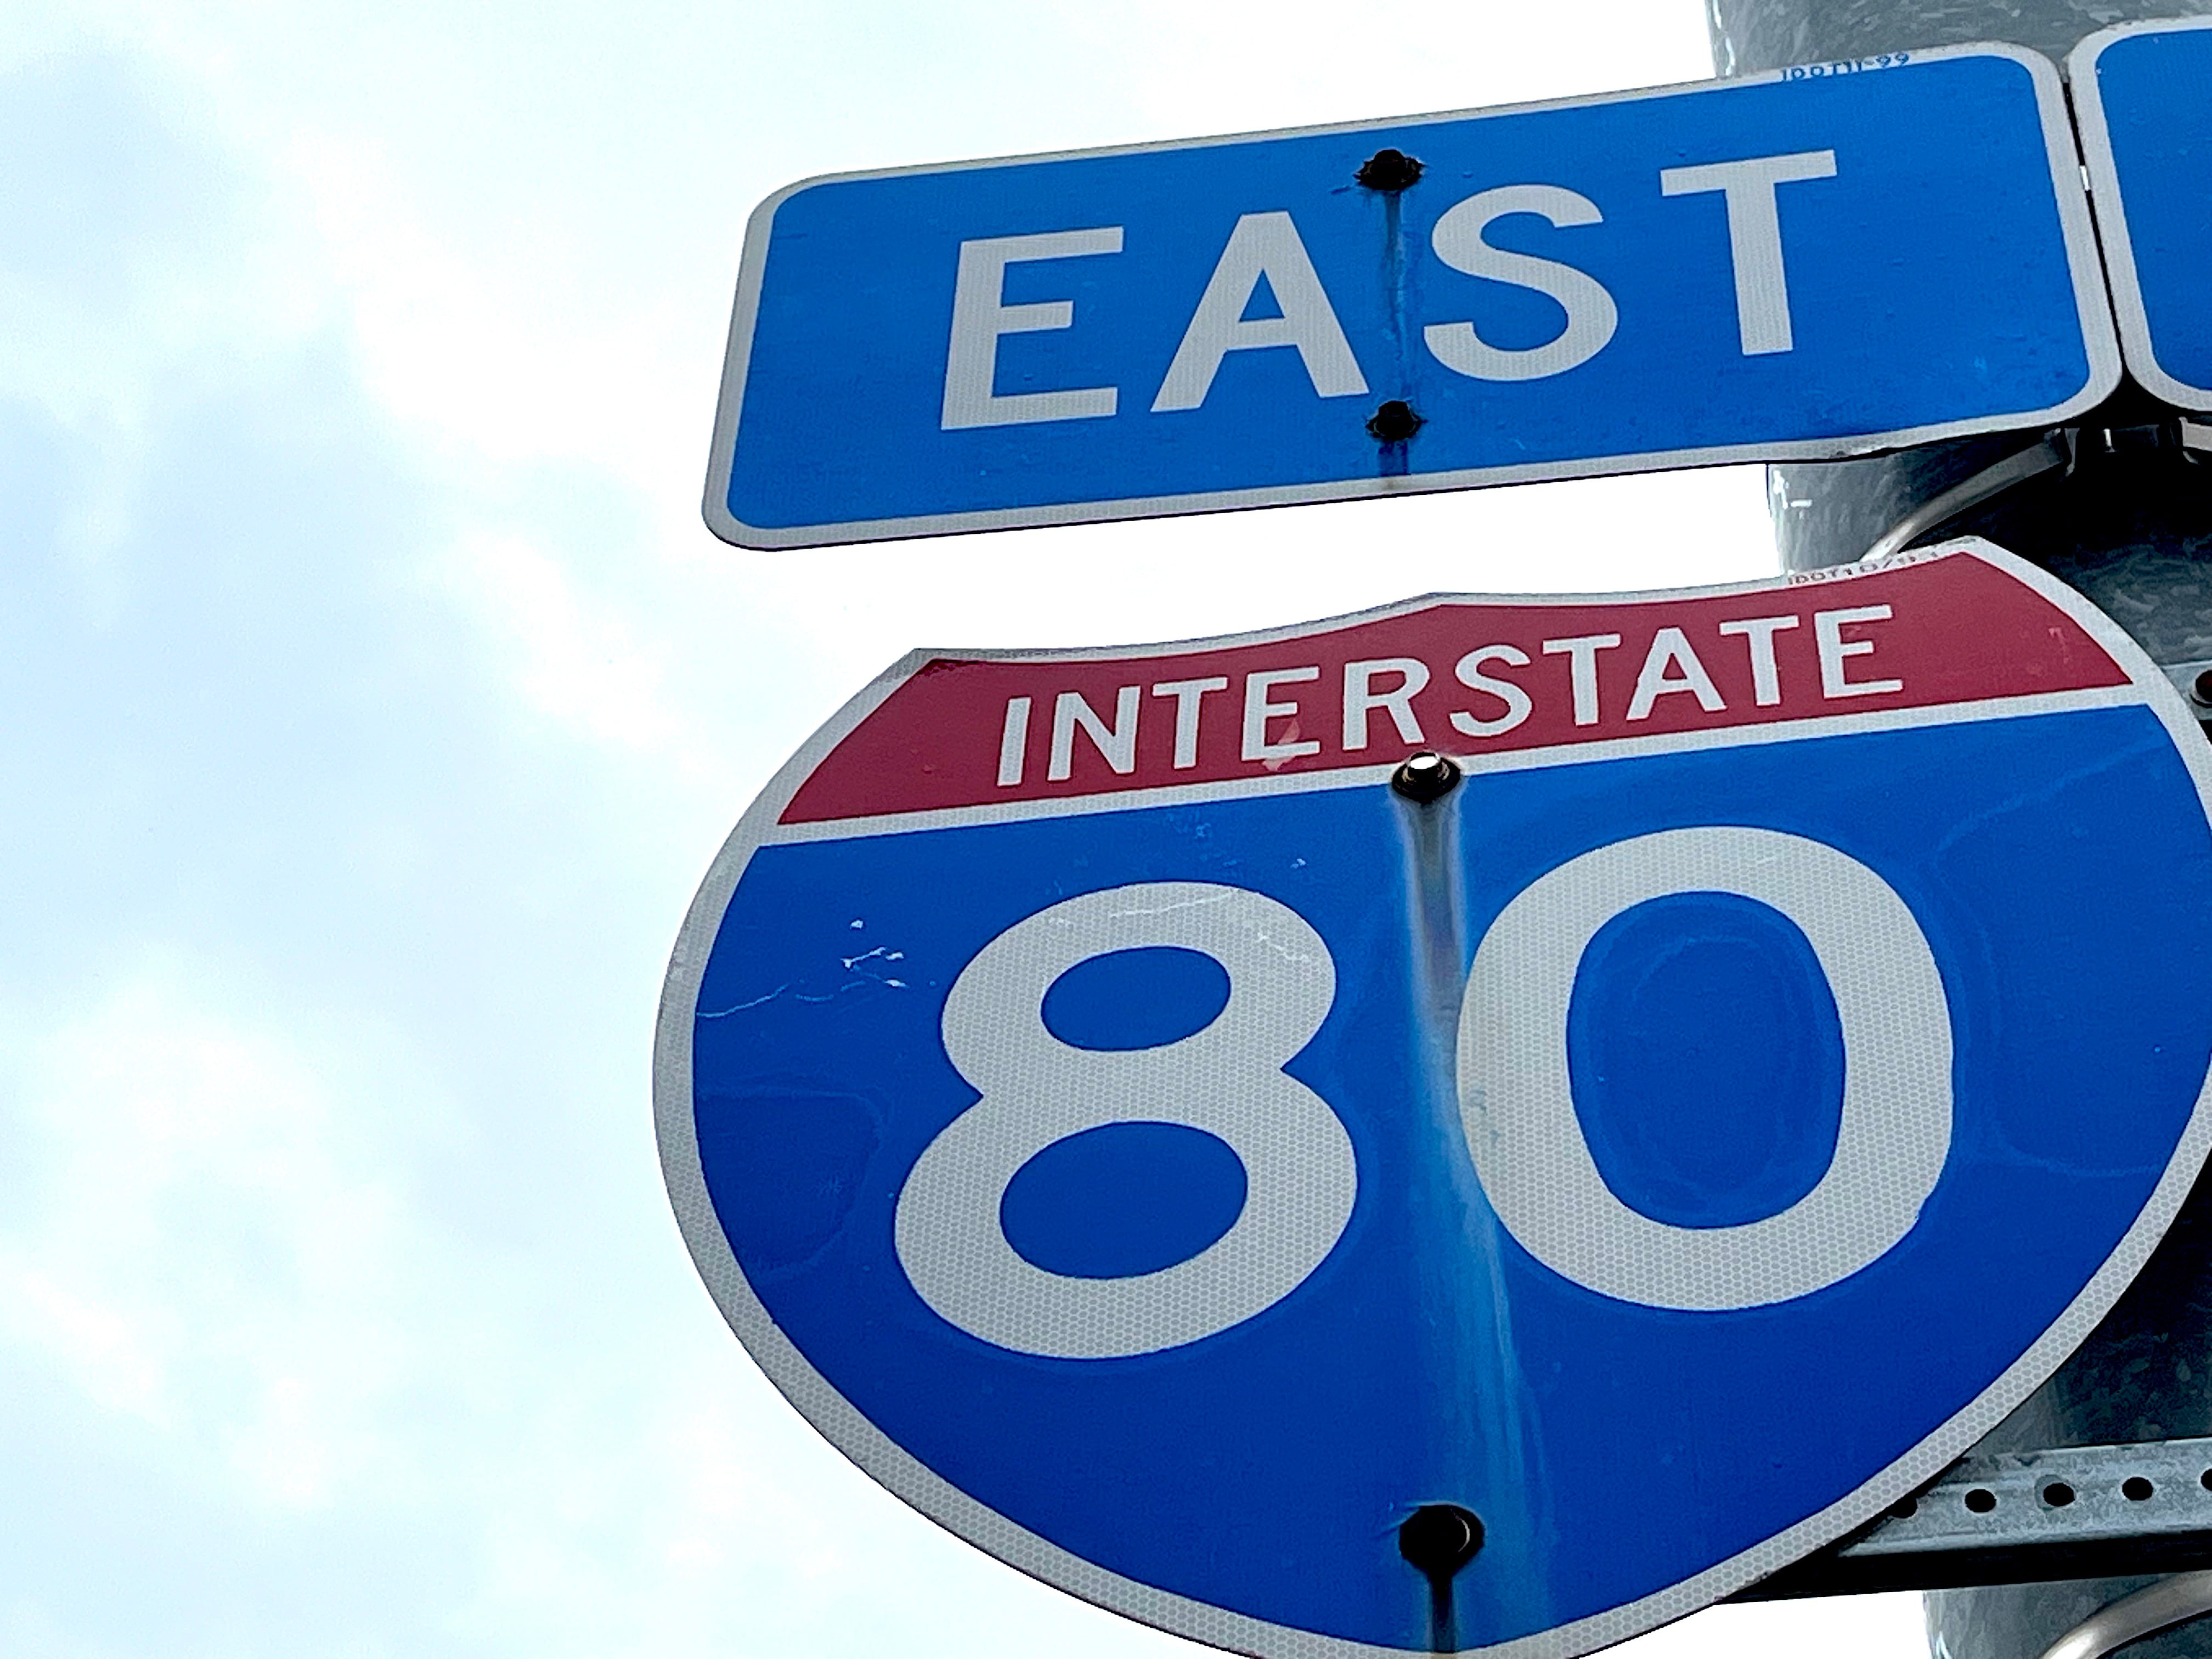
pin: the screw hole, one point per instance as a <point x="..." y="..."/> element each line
<point x="1905" y="1509"/>
<point x="1981" y="1500"/>
<point x="1394" y="423"/>
<point x="2202" y="687"/>
<point x="2135" y="1489"/>
<point x="1425" y="776"/>
<point x="1388" y="170"/>
<point x="2205" y="1479"/>
<point x="1439" y="1539"/>
<point x="2058" y="1494"/>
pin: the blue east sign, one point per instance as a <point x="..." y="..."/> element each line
<point x="1802" y="265"/>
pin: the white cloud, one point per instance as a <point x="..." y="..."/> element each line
<point x="203" y="1240"/>
<point x="579" y="662"/>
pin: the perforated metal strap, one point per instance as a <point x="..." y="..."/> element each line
<point x="2020" y="1516"/>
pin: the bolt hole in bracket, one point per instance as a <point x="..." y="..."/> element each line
<point x="2020" y="1517"/>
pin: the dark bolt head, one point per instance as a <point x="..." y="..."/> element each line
<point x="1388" y="170"/>
<point x="1394" y="423"/>
<point x="2203" y="687"/>
<point x="1439" y="1539"/>
<point x="1425" y="777"/>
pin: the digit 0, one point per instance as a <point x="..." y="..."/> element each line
<point x="1226" y="1080"/>
<point x="1516" y="1106"/>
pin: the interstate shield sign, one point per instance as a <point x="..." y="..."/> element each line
<point x="1175" y="1157"/>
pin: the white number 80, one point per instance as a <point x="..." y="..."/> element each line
<point x="1516" y="1100"/>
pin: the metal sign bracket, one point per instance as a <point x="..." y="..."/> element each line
<point x="2020" y="1517"/>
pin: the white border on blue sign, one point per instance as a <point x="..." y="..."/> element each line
<point x="2091" y="306"/>
<point x="842" y="1423"/>
<point x="2111" y="207"/>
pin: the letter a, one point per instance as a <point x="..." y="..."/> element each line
<point x="1262" y="245"/>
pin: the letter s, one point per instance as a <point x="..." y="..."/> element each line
<point x="1591" y="314"/>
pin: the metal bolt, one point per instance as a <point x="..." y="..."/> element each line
<point x="1394" y="423"/>
<point x="1425" y="777"/>
<point x="1390" y="170"/>
<point x="1439" y="1539"/>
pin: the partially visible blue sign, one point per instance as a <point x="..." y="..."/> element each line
<point x="1803" y="265"/>
<point x="2144" y="94"/>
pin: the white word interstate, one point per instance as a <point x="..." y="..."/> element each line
<point x="1282" y="713"/>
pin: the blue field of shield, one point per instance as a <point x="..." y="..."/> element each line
<point x="2054" y="862"/>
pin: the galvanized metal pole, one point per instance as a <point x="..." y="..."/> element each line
<point x="2119" y="508"/>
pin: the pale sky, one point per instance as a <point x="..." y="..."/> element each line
<point x="376" y="701"/>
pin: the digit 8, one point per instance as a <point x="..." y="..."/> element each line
<point x="1225" y="1080"/>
